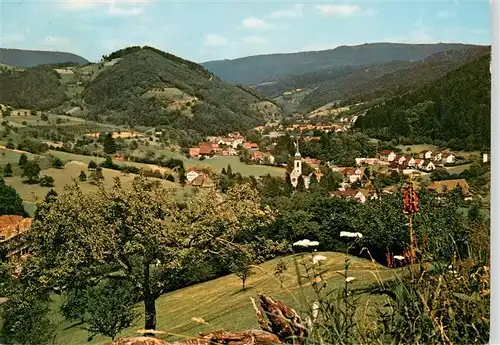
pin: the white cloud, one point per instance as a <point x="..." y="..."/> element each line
<point x="115" y="8"/>
<point x="78" y="5"/>
<point x="254" y="23"/>
<point x="214" y="40"/>
<point x="255" y="39"/>
<point x="445" y="14"/>
<point x="294" y="12"/>
<point x="338" y="10"/>
<point x="124" y="12"/>
<point x="11" y="38"/>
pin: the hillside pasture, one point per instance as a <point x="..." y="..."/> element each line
<point x="174" y="99"/>
<point x="219" y="162"/>
<point x="120" y="135"/>
<point x="223" y="305"/>
<point x="12" y="157"/>
<point x="24" y="117"/>
<point x="67" y="75"/>
<point x="268" y="109"/>
<point x="63" y="177"/>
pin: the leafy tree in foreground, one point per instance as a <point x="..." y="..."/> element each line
<point x="92" y="165"/>
<point x="10" y="202"/>
<point x="242" y="267"/>
<point x="25" y="318"/>
<point x="139" y="234"/>
<point x="31" y="171"/>
<point x="110" y="308"/>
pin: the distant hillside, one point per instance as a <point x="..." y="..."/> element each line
<point x="150" y="87"/>
<point x="31" y="58"/>
<point x="261" y="68"/>
<point x="34" y="88"/>
<point x="387" y="79"/>
<point x="453" y="110"/>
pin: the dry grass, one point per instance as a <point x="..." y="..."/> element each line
<point x="223" y="305"/>
<point x="31" y="192"/>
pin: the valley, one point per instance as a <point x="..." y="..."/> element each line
<point x="171" y="193"/>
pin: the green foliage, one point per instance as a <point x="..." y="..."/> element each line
<point x="31" y="171"/>
<point x="117" y="95"/>
<point x="32" y="145"/>
<point x="82" y="176"/>
<point x="44" y="117"/>
<point x="26" y="318"/>
<point x="301" y="187"/>
<point x="7" y="171"/>
<point x="47" y="181"/>
<point x="109" y="144"/>
<point x="331" y="180"/>
<point x="139" y="234"/>
<point x="96" y="176"/>
<point x="454" y="109"/>
<point x="339" y="148"/>
<point x="57" y="163"/>
<point x="10" y="201"/>
<point x="74" y="305"/>
<point x="242" y="267"/>
<point x="110" y="308"/>
<point x="445" y="305"/>
<point x="33" y="88"/>
<point x="23" y="159"/>
<point x="92" y="165"/>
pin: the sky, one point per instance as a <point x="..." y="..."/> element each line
<point x="213" y="30"/>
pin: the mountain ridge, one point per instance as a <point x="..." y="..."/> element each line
<point x="30" y="58"/>
<point x="256" y="69"/>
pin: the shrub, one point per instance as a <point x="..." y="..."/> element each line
<point x="47" y="181"/>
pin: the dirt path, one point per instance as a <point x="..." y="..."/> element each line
<point x="13" y="150"/>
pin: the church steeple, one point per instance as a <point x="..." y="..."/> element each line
<point x="297" y="153"/>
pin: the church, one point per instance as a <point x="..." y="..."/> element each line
<point x="297" y="170"/>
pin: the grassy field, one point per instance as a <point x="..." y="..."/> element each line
<point x="458" y="169"/>
<point x="12" y="157"/>
<point x="223" y="305"/>
<point x="30" y="193"/>
<point x="219" y="162"/>
<point x="407" y="149"/>
<point x="18" y="117"/>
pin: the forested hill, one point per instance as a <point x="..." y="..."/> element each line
<point x="34" y="88"/>
<point x="31" y="58"/>
<point x="261" y="68"/>
<point x="360" y="84"/>
<point x="453" y="110"/>
<point x="151" y="87"/>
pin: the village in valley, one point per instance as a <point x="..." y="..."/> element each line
<point x="356" y="179"/>
<point x="337" y="197"/>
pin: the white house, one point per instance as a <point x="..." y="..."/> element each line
<point x="191" y="174"/>
<point x="400" y="159"/>
<point x="411" y="161"/>
<point x="437" y="156"/>
<point x="448" y="157"/>
<point x="426" y="154"/>
<point x="388" y="155"/>
<point x="427" y="165"/>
